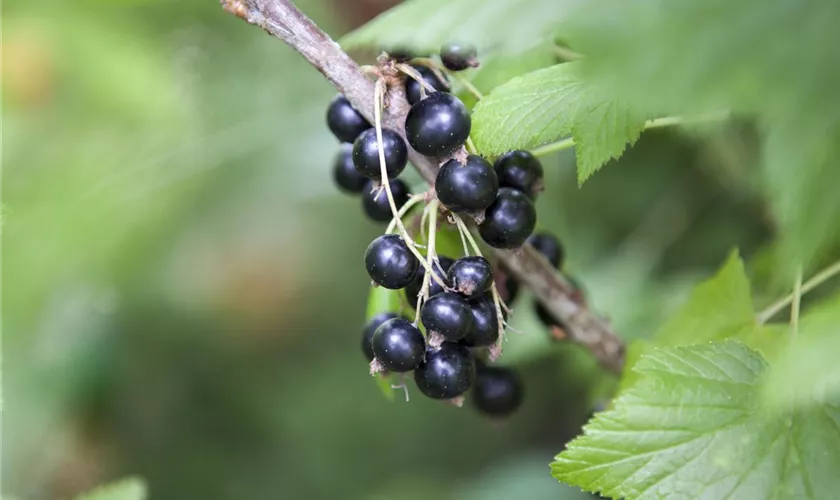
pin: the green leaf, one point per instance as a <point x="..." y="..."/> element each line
<point x="498" y="68"/>
<point x="424" y="25"/>
<point x="718" y="308"/>
<point x="692" y="427"/>
<point x="753" y="57"/>
<point x="808" y="372"/>
<point x="130" y="488"/>
<point x="552" y="103"/>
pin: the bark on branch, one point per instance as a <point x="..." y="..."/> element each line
<point x="280" y="18"/>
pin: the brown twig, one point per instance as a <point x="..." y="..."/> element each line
<point x="280" y="18"/>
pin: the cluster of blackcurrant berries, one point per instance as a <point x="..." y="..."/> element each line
<point x="460" y="316"/>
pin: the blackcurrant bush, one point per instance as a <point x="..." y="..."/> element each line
<point x="471" y="276"/>
<point x="448" y="314"/>
<point x="509" y="220"/>
<point x="520" y="170"/>
<point x="485" y="325"/>
<point x="467" y="188"/>
<point x="398" y="345"/>
<point x="370" y="328"/>
<point x="390" y="263"/>
<point x="447" y="371"/>
<point x="413" y="288"/>
<point x="438" y="125"/>
<point x="412" y="86"/>
<point x="344" y="121"/>
<point x="375" y="199"/>
<point x="497" y="391"/>
<point x="549" y="246"/>
<point x="344" y="172"/>
<point x="366" y="154"/>
<point x="458" y="56"/>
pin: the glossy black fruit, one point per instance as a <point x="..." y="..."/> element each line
<point x="509" y="220"/>
<point x="412" y="86"/>
<point x="344" y="121"/>
<point x="413" y="288"/>
<point x="438" y="125"/>
<point x="400" y="54"/>
<point x="458" y="56"/>
<point x="389" y="262"/>
<point x="497" y="391"/>
<point x="375" y="199"/>
<point x="448" y="314"/>
<point x="485" y="325"/>
<point x="398" y="345"/>
<point x="344" y="172"/>
<point x="520" y="170"/>
<point x="447" y="372"/>
<point x="366" y="154"/>
<point x="549" y="246"/>
<point x="467" y="188"/>
<point x="471" y="276"/>
<point x="370" y="328"/>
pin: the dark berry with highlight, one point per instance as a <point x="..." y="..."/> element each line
<point x="366" y="154"/>
<point x="509" y="220"/>
<point x="375" y="199"/>
<point x="390" y="263"/>
<point x="344" y="121"/>
<point x="447" y="372"/>
<point x="398" y="345"/>
<point x="438" y="125"/>
<point x="467" y="188"/>
<point x="471" y="276"/>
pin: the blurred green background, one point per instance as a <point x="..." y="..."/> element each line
<point x="184" y="290"/>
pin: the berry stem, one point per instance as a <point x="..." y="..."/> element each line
<point x="794" y="306"/>
<point x="412" y="200"/>
<point x="471" y="146"/>
<point x="379" y="102"/>
<point x="433" y="66"/>
<point x="411" y="72"/>
<point x="431" y="256"/>
<point x="817" y="280"/>
<point x="466" y="84"/>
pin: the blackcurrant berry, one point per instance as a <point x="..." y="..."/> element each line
<point x="549" y="247"/>
<point x="447" y="372"/>
<point x="375" y="199"/>
<point x="345" y="175"/>
<point x="389" y="262"/>
<point x="509" y="220"/>
<point x="400" y="54"/>
<point x="413" y="288"/>
<point x="470" y="276"/>
<point x="520" y="170"/>
<point x="485" y="325"/>
<point x="458" y="56"/>
<point x="398" y="345"/>
<point x="370" y="328"/>
<point x="448" y="314"/>
<point x="344" y="121"/>
<point x="438" y="125"/>
<point x="366" y="154"/>
<point x="412" y="86"/>
<point x="467" y="188"/>
<point x="497" y="391"/>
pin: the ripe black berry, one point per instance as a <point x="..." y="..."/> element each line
<point x="549" y="246"/>
<point x="389" y="262"/>
<point x="344" y="121"/>
<point x="400" y="54"/>
<point x="370" y="328"/>
<point x="413" y="288"/>
<point x="375" y="199"/>
<point x="398" y="345"/>
<point x="366" y="154"/>
<point x="485" y="325"/>
<point x="412" y="86"/>
<point x="520" y="170"/>
<point x="344" y="172"/>
<point x="438" y="125"/>
<point x="509" y="220"/>
<point x="448" y="314"/>
<point x="471" y="276"/>
<point x="447" y="372"/>
<point x="497" y="391"/>
<point x="467" y="188"/>
<point x="458" y="56"/>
